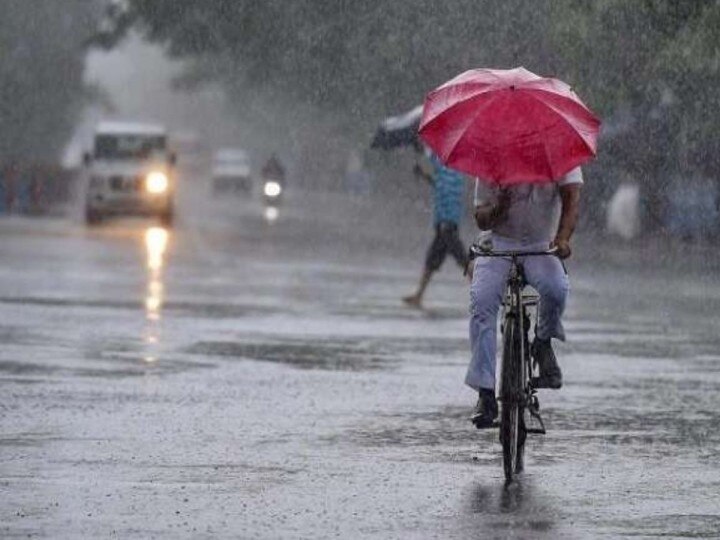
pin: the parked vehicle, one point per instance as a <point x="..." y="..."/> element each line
<point x="231" y="173"/>
<point x="130" y="171"/>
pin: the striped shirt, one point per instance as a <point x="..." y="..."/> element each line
<point x="449" y="189"/>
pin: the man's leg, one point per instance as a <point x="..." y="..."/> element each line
<point x="433" y="260"/>
<point x="416" y="298"/>
<point x="486" y="294"/>
<point x="457" y="249"/>
<point x="547" y="275"/>
<point x="485" y="297"/>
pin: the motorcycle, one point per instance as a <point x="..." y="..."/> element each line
<point x="272" y="197"/>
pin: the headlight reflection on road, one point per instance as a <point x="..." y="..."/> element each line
<point x="156" y="241"/>
<point x="271" y="213"/>
<point x="153" y="299"/>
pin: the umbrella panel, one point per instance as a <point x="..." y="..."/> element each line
<point x="535" y="131"/>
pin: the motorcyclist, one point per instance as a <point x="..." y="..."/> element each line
<point x="273" y="170"/>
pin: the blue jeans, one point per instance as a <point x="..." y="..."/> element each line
<point x="545" y="274"/>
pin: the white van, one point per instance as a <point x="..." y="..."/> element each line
<point x="231" y="172"/>
<point x="130" y="171"/>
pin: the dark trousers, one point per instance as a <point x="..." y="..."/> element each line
<point x="447" y="240"/>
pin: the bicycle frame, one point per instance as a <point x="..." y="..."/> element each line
<point x="517" y="393"/>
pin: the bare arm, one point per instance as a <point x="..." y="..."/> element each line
<point x="570" y="197"/>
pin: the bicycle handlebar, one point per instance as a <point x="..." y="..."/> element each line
<point x="477" y="251"/>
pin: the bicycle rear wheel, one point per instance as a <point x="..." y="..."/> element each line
<point x="511" y="438"/>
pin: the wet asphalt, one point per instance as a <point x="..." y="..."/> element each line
<point x="235" y="378"/>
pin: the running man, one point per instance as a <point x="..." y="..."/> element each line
<point x="449" y="187"/>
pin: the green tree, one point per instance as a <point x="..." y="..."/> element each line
<point x="654" y="63"/>
<point x="649" y="64"/>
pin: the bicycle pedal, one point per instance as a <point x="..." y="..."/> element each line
<point x="494" y="425"/>
<point x="538" y="383"/>
<point x="537" y="425"/>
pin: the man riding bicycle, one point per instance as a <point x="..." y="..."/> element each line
<point x="523" y="217"/>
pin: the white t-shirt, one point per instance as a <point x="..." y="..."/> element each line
<point x="534" y="213"/>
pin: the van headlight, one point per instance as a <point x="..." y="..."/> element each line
<point x="272" y="189"/>
<point x="156" y="182"/>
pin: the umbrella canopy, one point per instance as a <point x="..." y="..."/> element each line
<point x="397" y="131"/>
<point x="509" y="126"/>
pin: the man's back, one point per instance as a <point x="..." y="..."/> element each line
<point x="449" y="187"/>
<point x="533" y="210"/>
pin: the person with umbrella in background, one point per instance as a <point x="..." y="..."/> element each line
<point x="524" y="138"/>
<point x="448" y="190"/>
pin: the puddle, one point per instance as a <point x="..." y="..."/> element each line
<point x="320" y="354"/>
<point x="26" y="368"/>
<point x="669" y="526"/>
<point x="137" y="366"/>
<point x="201" y="309"/>
<point x="445" y="427"/>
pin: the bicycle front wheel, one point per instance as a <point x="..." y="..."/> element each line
<point x="510" y="395"/>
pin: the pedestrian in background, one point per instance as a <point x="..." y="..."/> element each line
<point x="448" y="190"/>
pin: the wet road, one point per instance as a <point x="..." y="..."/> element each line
<point x="229" y="380"/>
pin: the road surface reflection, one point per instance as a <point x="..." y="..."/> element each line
<point x="156" y="241"/>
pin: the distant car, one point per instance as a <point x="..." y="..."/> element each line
<point x="231" y="173"/>
<point x="130" y="171"/>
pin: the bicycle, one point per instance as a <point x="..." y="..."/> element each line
<point x="518" y="392"/>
